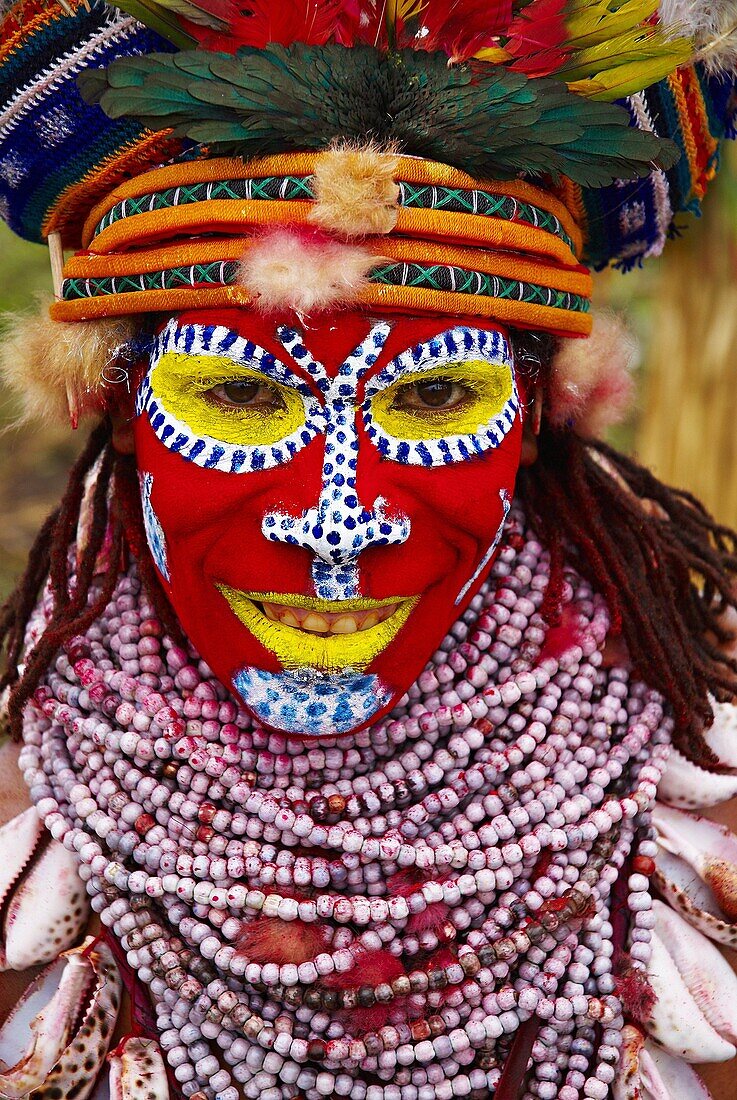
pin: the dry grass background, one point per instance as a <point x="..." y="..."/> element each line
<point x="683" y="308"/>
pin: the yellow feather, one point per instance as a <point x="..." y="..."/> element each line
<point x="401" y="10"/>
<point x="630" y="77"/>
<point x="616" y="50"/>
<point x="604" y="21"/>
<point x="494" y="55"/>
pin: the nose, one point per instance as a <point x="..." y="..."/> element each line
<point x="339" y="527"/>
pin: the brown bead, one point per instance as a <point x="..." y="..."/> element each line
<point x="249" y="778"/>
<point x="170" y="769"/>
<point x="436" y="1025"/>
<point x="420" y="1030"/>
<point x="504" y="949"/>
<point x="205" y="833"/>
<point x="206" y="813"/>
<point x="447" y="932"/>
<point x="470" y="964"/>
<point x="316" y="1049"/>
<point x="436" y="979"/>
<point x="366" y="996"/>
<point x="144" y="822"/>
<point x="336" y="804"/>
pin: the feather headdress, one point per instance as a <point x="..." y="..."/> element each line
<point x="497" y="89"/>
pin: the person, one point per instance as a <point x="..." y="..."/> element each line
<point x="349" y="667"/>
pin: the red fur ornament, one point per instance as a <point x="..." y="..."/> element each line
<point x="635" y="992"/>
<point x="271" y="940"/>
<point x="591" y="386"/>
<point x="372" y="969"/>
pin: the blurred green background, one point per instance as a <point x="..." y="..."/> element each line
<point x="34" y="459"/>
<point x="682" y="307"/>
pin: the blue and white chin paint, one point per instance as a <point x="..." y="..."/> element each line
<point x="307" y="701"/>
<point x="154" y="531"/>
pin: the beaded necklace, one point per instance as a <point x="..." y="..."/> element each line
<point x="384" y="915"/>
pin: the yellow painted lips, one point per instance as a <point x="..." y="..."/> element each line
<point x="325" y="634"/>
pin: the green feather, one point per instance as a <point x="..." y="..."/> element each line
<point x="487" y="120"/>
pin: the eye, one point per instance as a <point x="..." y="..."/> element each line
<point x="247" y="393"/>
<point x="433" y="393"/>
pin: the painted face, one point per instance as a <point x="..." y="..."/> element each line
<point x="323" y="502"/>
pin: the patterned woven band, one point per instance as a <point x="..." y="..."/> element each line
<point x="172" y="238"/>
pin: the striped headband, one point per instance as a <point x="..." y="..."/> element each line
<point x="173" y="239"/>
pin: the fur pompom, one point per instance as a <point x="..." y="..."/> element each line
<point x="60" y="371"/>
<point x="271" y="940"/>
<point x="372" y="968"/>
<point x="306" y="271"/>
<point x="711" y="25"/>
<point x="355" y="192"/>
<point x="591" y="386"/>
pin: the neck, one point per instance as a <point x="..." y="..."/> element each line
<point x="393" y="912"/>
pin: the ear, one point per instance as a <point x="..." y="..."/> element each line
<point x="531" y="428"/>
<point x="122" y="413"/>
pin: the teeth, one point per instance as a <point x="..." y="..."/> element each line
<point x="315" y="623"/>
<point x="328" y="622"/>
<point x="346" y="624"/>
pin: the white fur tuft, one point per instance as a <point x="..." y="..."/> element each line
<point x="355" y="191"/>
<point x="306" y="271"/>
<point x="61" y="371"/>
<point x="711" y="26"/>
<point x="591" y="386"/>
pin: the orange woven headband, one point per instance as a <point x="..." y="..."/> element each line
<point x="173" y="238"/>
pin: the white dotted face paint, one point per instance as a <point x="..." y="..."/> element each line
<point x="339" y="527"/>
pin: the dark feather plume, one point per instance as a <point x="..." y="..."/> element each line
<point x="487" y="120"/>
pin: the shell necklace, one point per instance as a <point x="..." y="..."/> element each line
<point x="400" y="914"/>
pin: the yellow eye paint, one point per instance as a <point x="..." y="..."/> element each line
<point x="182" y="384"/>
<point x="489" y="386"/>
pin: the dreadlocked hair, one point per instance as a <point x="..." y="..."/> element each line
<point x="78" y="595"/>
<point x="665" y="567"/>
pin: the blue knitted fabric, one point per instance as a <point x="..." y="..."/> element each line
<point x="49" y="137"/>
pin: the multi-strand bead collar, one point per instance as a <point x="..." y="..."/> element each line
<point x="374" y="916"/>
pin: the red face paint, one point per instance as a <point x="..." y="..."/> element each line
<point x="324" y="500"/>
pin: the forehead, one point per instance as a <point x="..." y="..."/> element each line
<point x="332" y="338"/>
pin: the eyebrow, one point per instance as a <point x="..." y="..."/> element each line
<point x="224" y="345"/>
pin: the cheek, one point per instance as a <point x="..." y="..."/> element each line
<point x="455" y="512"/>
<point x="212" y="520"/>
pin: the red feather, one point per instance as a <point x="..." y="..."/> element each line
<point x="403" y="883"/>
<point x="635" y="992"/>
<point x="537" y="37"/>
<point x="462" y="27"/>
<point x="259" y="22"/>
